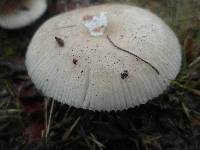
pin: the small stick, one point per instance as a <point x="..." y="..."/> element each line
<point x="154" y="68"/>
<point x="49" y="121"/>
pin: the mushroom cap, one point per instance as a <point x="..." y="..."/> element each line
<point x="66" y="62"/>
<point x="21" y="17"/>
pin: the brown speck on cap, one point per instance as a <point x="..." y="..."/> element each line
<point x="60" y="41"/>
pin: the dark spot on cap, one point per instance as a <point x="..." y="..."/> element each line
<point x="75" y="61"/>
<point x="124" y="74"/>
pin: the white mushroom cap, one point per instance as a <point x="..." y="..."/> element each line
<point x="21" y="17"/>
<point x="71" y="64"/>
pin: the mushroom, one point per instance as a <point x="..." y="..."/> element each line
<point x="107" y="57"/>
<point x="19" y="13"/>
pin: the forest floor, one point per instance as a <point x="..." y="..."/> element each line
<point x="169" y="122"/>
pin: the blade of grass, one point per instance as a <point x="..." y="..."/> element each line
<point x="10" y="111"/>
<point x="69" y="131"/>
<point x="12" y="92"/>
<point x="194" y="91"/>
<point x="99" y="144"/>
<point x="194" y="62"/>
<point x="49" y="121"/>
<point x="186" y="110"/>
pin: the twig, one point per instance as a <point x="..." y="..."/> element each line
<point x="124" y="50"/>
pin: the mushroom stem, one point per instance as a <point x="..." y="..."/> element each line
<point x="154" y="68"/>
